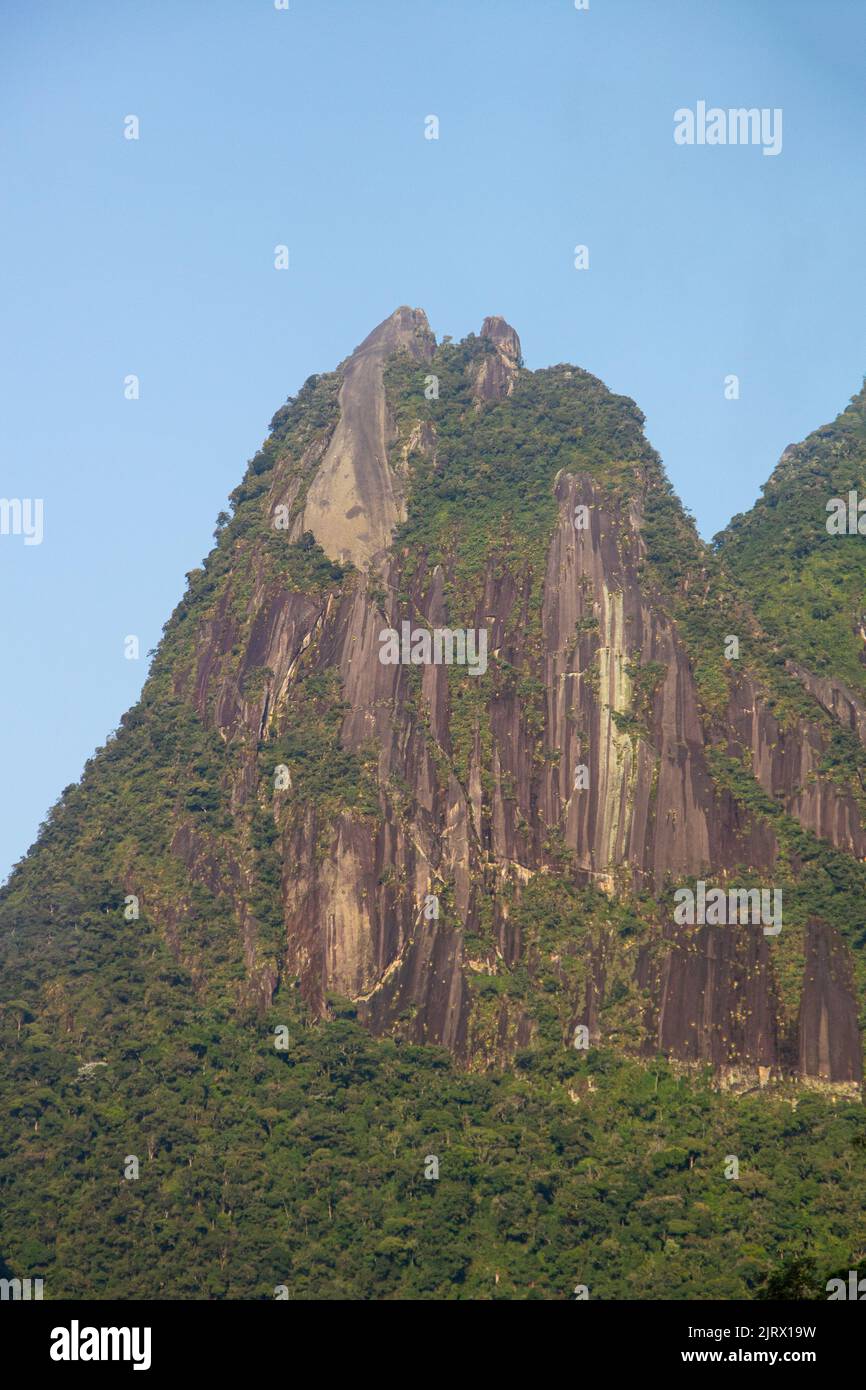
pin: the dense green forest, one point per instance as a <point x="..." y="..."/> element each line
<point x="305" y="1168"/>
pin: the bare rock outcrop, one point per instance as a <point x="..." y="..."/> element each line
<point x="498" y="371"/>
<point x="355" y="500"/>
<point x="609" y="766"/>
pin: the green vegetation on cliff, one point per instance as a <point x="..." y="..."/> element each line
<point x="806" y="585"/>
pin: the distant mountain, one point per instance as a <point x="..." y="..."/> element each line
<point x="807" y="583"/>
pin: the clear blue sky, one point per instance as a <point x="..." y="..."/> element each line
<point x="305" y="127"/>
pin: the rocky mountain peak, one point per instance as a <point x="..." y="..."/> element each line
<point x="406" y="329"/>
<point x="497" y="372"/>
<point x="355" y="501"/>
<point x="503" y="335"/>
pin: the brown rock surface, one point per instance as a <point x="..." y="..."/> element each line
<point x="355" y="501"/>
<point x="354" y="887"/>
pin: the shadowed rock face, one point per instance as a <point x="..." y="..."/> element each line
<point x="713" y="998"/>
<point x="786" y="762"/>
<point x="835" y="698"/>
<point x="354" y="887"/>
<point x="829" y="1037"/>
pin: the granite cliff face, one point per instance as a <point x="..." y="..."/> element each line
<point x="355" y="499"/>
<point x="393" y="834"/>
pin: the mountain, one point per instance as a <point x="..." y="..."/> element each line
<point x="387" y="866"/>
<point x="807" y="582"/>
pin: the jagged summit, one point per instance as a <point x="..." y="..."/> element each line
<point x="406" y="325"/>
<point x="356" y="500"/>
<point x="405" y="328"/>
<point x="496" y="375"/>
<point x="502" y="334"/>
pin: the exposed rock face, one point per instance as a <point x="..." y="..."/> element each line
<point x="598" y="624"/>
<point x="649" y="813"/>
<point x="714" y="998"/>
<point x="584" y="753"/>
<point x="835" y="698"/>
<point x="277" y="630"/>
<point x="787" y="763"/>
<point x="829" y="1038"/>
<point x="355" y="501"/>
<point x="497" y="372"/>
